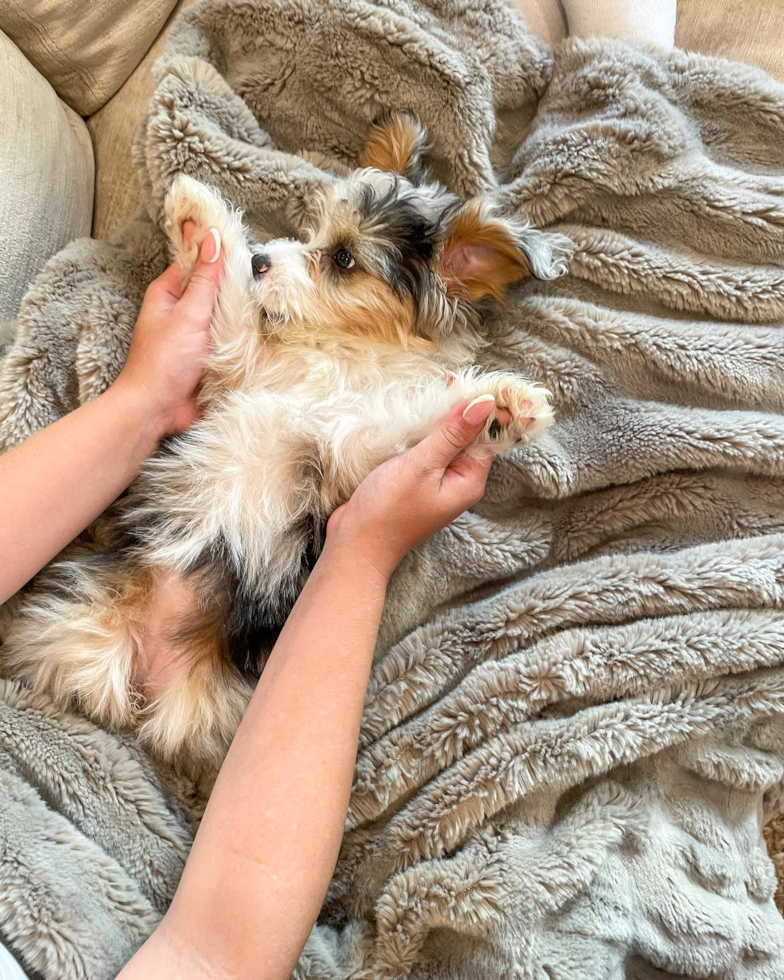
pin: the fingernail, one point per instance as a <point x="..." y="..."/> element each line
<point x="211" y="246"/>
<point x="479" y="409"/>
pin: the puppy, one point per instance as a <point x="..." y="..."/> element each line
<point x="329" y="356"/>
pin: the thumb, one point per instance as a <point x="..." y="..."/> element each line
<point x="456" y="432"/>
<point x="202" y="289"/>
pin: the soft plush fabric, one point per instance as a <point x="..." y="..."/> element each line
<point x="748" y="33"/>
<point x="93" y="840"/>
<point x="46" y="175"/>
<point x="574" y="728"/>
<point x="774" y="838"/>
<point x="85" y="49"/>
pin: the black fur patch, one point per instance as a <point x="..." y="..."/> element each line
<point x="249" y="623"/>
<point x="406" y="236"/>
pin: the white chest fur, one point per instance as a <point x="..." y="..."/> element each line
<point x="293" y="443"/>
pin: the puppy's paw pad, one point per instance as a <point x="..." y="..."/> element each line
<point x="522" y="410"/>
<point x="191" y="233"/>
<point x="188" y="200"/>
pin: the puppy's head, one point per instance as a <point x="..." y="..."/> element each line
<point x="393" y="258"/>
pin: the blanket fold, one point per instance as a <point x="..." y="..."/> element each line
<point x="575" y="726"/>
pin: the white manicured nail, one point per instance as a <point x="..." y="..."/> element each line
<point x="479" y="409"/>
<point x="211" y="246"/>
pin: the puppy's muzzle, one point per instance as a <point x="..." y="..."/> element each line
<point x="260" y="263"/>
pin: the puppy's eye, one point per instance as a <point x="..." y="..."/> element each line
<point x="344" y="259"/>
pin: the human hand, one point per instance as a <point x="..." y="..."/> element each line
<point x="172" y="338"/>
<point x="410" y="497"/>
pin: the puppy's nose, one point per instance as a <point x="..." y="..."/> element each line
<point x="260" y="264"/>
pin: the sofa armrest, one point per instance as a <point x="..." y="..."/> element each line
<point x="750" y="31"/>
<point x="46" y="175"/>
<point x="113" y="129"/>
<point x="86" y="50"/>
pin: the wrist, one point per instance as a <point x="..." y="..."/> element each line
<point x="352" y="554"/>
<point x="140" y="409"/>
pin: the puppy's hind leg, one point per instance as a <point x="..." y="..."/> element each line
<point x="76" y="636"/>
<point x="196" y="714"/>
<point x="194" y="696"/>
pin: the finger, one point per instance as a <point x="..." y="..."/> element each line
<point x="467" y="476"/>
<point x="202" y="290"/>
<point x="457" y="431"/>
<point x="475" y="465"/>
<point x="168" y="285"/>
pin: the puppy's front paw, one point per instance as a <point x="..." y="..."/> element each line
<point x="522" y="410"/>
<point x="191" y="210"/>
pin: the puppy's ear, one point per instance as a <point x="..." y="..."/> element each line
<point x="396" y="142"/>
<point x="483" y="254"/>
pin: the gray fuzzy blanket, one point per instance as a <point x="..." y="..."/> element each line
<point x="575" y="728"/>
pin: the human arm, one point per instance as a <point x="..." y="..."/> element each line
<point x="264" y="854"/>
<point x="60" y="479"/>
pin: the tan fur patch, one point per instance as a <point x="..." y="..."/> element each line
<point x="480" y="256"/>
<point x="119" y="651"/>
<point x="172" y="609"/>
<point x="361" y="306"/>
<point x="193" y="697"/>
<point x="393" y="144"/>
<point x="195" y="715"/>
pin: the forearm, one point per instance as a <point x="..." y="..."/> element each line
<point x="62" y="478"/>
<point x="266" y="849"/>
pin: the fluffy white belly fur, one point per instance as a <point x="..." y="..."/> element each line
<point x="263" y="460"/>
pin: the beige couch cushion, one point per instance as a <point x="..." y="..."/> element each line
<point x="85" y="48"/>
<point x="742" y="30"/>
<point x="46" y="175"/>
<point x="113" y="130"/>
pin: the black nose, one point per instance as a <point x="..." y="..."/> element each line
<point x="260" y="264"/>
